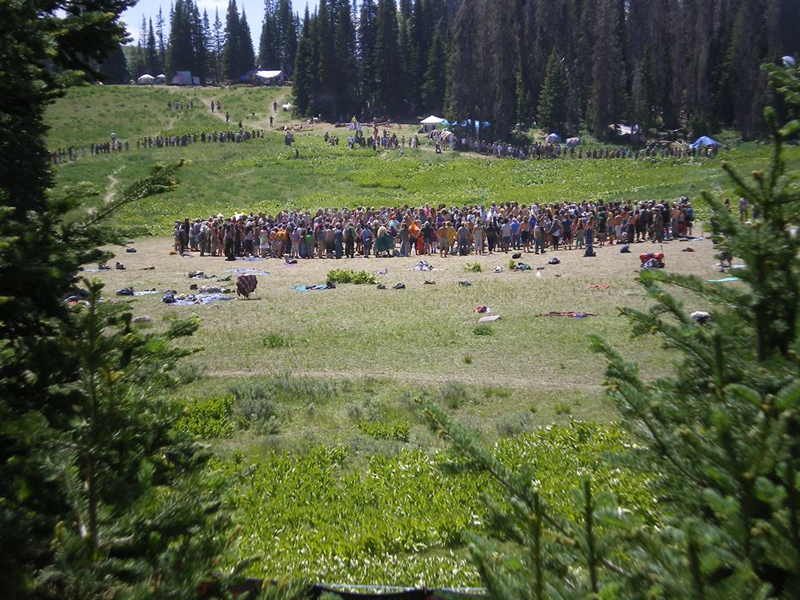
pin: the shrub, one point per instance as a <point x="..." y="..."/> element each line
<point x="514" y="423"/>
<point x="562" y="409"/>
<point x="454" y="394"/>
<point x="496" y="392"/>
<point x="467" y="359"/>
<point x="276" y="340"/>
<point x="473" y="268"/>
<point x="209" y="418"/>
<point x="351" y="276"/>
<point x="483" y="329"/>
<point x="381" y="430"/>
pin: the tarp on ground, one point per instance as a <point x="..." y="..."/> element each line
<point x="433" y="120"/>
<point x="146" y="79"/>
<point x="553" y="138"/>
<point x="704" y="141"/>
<point x="182" y="78"/>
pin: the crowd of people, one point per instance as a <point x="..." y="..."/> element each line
<point x="465" y="230"/>
<point x="204" y="137"/>
<point x="72" y="153"/>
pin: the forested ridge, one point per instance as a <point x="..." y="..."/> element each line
<point x="659" y="63"/>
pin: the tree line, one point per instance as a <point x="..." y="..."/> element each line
<point x="216" y="51"/>
<point x="560" y="64"/>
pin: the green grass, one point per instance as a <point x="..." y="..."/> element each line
<point x="308" y="400"/>
<point x="263" y="175"/>
<point x="309" y="515"/>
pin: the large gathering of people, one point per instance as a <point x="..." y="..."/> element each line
<point x="465" y="230"/>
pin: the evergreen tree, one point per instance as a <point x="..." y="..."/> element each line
<point x="328" y="61"/>
<point x="303" y="69"/>
<point x="433" y="88"/>
<point x="180" y="54"/>
<point x="115" y="68"/>
<point x="645" y="91"/>
<point x="100" y="496"/>
<point x="605" y="100"/>
<point x="162" y="46"/>
<point x="209" y="59"/>
<point x="552" y="112"/>
<point x="248" y="56"/>
<point x="218" y="43"/>
<point x="467" y="65"/>
<point x="366" y="52"/>
<point x="386" y="58"/>
<point x="152" y="60"/>
<point x="418" y="52"/>
<point x="199" y="45"/>
<point x="722" y="429"/>
<point x="232" y="50"/>
<point x="347" y="77"/>
<point x="269" y="46"/>
<point x="287" y="31"/>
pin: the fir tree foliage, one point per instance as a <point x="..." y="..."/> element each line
<point x="553" y="98"/>
<point x="719" y="436"/>
<point x="99" y="497"/>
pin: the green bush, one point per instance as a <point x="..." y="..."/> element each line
<point x="381" y="430"/>
<point x="514" y="423"/>
<point x="350" y="276"/>
<point x="210" y="418"/>
<point x="453" y="394"/>
<point x="483" y="329"/>
<point x="276" y="340"/>
<point x="473" y="268"/>
<point x="562" y="408"/>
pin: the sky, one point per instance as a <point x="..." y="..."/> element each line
<point x="254" y="9"/>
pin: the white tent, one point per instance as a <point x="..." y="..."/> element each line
<point x="432" y="120"/>
<point x="146" y="80"/>
<point x="269" y="76"/>
<point x="161" y="79"/>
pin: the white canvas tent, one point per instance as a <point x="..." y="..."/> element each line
<point x="269" y="77"/>
<point x="146" y="80"/>
<point x="431" y="122"/>
<point x="161" y="79"/>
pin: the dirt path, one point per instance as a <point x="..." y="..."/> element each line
<point x="219" y="115"/>
<point x="112" y="185"/>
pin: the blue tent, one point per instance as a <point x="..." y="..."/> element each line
<point x="704" y="141"/>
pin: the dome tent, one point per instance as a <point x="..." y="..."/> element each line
<point x="704" y="141"/>
<point x="146" y="79"/>
<point x="161" y="79"/>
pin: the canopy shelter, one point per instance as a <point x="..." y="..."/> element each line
<point x="573" y="142"/>
<point x="146" y="80"/>
<point x="704" y="141"/>
<point x="161" y="79"/>
<point x="431" y="122"/>
<point x="553" y="138"/>
<point x="269" y="77"/>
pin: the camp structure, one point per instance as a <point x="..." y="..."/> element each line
<point x="263" y="77"/>
<point x="161" y="79"/>
<point x="573" y="142"/>
<point x="431" y="122"/>
<point x="704" y="141"/>
<point x="553" y="138"/>
<point x="182" y="78"/>
<point x="146" y="79"/>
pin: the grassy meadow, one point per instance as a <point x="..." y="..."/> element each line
<point x="308" y="399"/>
